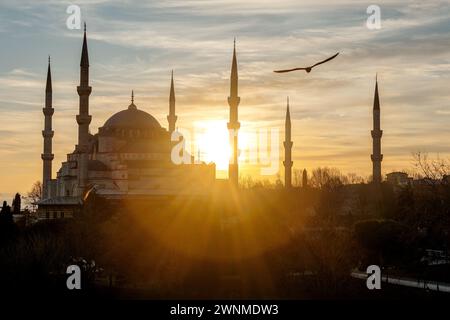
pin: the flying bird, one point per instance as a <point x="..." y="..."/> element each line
<point x="307" y="69"/>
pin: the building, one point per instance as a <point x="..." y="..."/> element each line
<point x="398" y="178"/>
<point x="131" y="155"/>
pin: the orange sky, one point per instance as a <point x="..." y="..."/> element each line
<point x="135" y="47"/>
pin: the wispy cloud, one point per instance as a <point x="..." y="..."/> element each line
<point x="135" y="44"/>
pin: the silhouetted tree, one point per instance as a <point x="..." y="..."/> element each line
<point x="330" y="181"/>
<point x="432" y="170"/>
<point x="296" y="178"/>
<point x="353" y="178"/>
<point x="383" y="241"/>
<point x="35" y="194"/>
<point x="305" y="179"/>
<point x="6" y="212"/>
<point x="6" y="222"/>
<point x="327" y="177"/>
<point x="16" y="204"/>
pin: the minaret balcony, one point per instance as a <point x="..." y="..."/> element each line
<point x="84" y="119"/>
<point x="288" y="164"/>
<point x="376" y="158"/>
<point x="172" y="117"/>
<point x="84" y="90"/>
<point x="377" y="133"/>
<point x="48" y="133"/>
<point x="288" y="144"/>
<point x="47" y="156"/>
<point x="234" y="101"/>
<point x="48" y="111"/>
<point x="233" y="125"/>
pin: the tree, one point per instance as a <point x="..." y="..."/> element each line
<point x="16" y="204"/>
<point x="305" y="179"/>
<point x="6" y="221"/>
<point x="327" y="178"/>
<point x="353" y="178"/>
<point x="432" y="170"/>
<point x="330" y="182"/>
<point x="5" y="209"/>
<point x="383" y="241"/>
<point x="35" y="194"/>
<point x="297" y="178"/>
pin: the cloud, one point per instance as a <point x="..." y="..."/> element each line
<point x="135" y="44"/>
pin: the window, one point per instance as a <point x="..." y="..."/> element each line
<point x="62" y="214"/>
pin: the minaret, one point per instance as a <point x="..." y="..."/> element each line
<point x="47" y="156"/>
<point x="377" y="157"/>
<point x="172" y="118"/>
<point x="287" y="149"/>
<point x="233" y="124"/>
<point x="83" y="118"/>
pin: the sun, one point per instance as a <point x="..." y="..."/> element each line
<point x="212" y="143"/>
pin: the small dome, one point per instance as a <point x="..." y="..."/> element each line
<point x="132" y="118"/>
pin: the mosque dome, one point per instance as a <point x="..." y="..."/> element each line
<point x="132" y="118"/>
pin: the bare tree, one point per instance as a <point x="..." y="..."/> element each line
<point x="353" y="178"/>
<point x="297" y="178"/>
<point x="34" y="195"/>
<point x="246" y="181"/>
<point x="432" y="170"/>
<point x="327" y="177"/>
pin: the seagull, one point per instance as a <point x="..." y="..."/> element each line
<point x="307" y="69"/>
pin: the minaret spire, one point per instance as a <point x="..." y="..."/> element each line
<point x="377" y="133"/>
<point x="47" y="156"/>
<point x="234" y="74"/>
<point x="376" y="100"/>
<point x="83" y="118"/>
<point x="287" y="149"/>
<point x="48" y="86"/>
<point x="288" y="114"/>
<point x="84" y="52"/>
<point x="172" y="118"/>
<point x="233" y="124"/>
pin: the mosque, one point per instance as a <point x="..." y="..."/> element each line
<point x="129" y="157"/>
<point x="132" y="155"/>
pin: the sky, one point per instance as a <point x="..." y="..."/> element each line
<point x="134" y="45"/>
